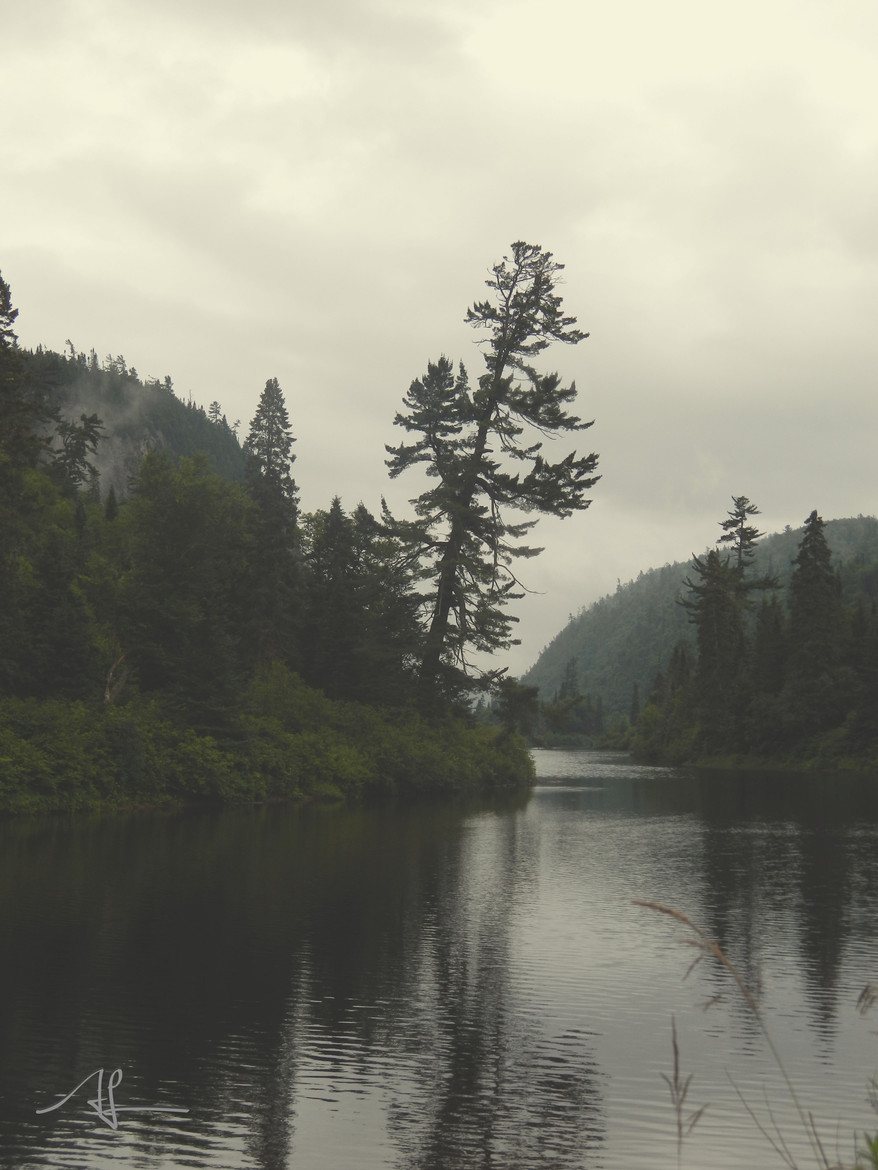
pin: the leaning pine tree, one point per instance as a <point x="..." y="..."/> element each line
<point x="484" y="447"/>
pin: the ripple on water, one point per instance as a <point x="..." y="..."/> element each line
<point x="403" y="990"/>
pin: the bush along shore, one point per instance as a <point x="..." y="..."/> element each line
<point x="288" y="742"/>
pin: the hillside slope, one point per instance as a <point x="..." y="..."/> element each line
<point x="627" y="637"/>
<point x="137" y="416"/>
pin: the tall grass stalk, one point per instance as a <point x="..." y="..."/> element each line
<point x="709" y="947"/>
<point x="679" y="1091"/>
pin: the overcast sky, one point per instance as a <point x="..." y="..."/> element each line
<point x="315" y="190"/>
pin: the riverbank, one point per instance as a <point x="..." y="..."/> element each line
<point x="287" y="742"/>
<point x="832" y="752"/>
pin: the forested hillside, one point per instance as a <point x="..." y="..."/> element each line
<point x="135" y="415"/>
<point x="619" y="641"/>
<point x="625" y="639"/>
<point x="173" y="625"/>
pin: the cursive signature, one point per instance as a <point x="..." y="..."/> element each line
<point x="110" y="1115"/>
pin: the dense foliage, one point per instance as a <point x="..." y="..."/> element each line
<point x="792" y="679"/>
<point x="173" y="628"/>
<point x="608" y="655"/>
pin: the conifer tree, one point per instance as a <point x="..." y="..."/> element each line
<point x="717" y="603"/>
<point x="111" y="507"/>
<point x="13" y="415"/>
<point x="8" y="338"/>
<point x="360" y="634"/>
<point x="78" y="441"/>
<point x="741" y="535"/>
<point x="23" y="409"/>
<point x="815" y="604"/>
<point x="769" y="653"/>
<point x="26" y="560"/>
<point x="714" y="608"/>
<point x="269" y="455"/>
<point x="186" y="592"/>
<point x="569" y="688"/>
<point x="275" y="590"/>
<point x="484" y="446"/>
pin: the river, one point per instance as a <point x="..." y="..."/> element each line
<point x="443" y="987"/>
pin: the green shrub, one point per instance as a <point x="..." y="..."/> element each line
<point x="288" y="742"/>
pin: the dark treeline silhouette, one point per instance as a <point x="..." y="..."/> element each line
<point x="173" y="626"/>
<point x="789" y="674"/>
<point x="569" y="717"/>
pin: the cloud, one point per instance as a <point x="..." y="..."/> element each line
<point x="316" y="192"/>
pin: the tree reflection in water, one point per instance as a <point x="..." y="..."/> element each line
<point x="422" y="987"/>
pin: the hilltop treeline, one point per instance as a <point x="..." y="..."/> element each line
<point x="760" y="648"/>
<point x="174" y="627"/>
<point x="776" y="673"/>
<point x="613" y="649"/>
<point x="613" y="646"/>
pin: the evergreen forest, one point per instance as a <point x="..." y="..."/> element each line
<point x="175" y="628"/>
<point x="759" y="651"/>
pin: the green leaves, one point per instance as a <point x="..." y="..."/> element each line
<point x="150" y="643"/>
<point x="361" y="633"/>
<point x="186" y="595"/>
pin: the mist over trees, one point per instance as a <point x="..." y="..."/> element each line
<point x="174" y="627"/>
<point x="136" y="414"/>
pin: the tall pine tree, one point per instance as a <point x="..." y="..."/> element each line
<point x="740" y="534"/>
<point x="714" y="606"/>
<point x="719" y="598"/>
<point x="33" y="542"/>
<point x="270" y="458"/>
<point x="22" y="406"/>
<point x="815" y="605"/>
<point x="484" y="446"/>
<point x="275" y="587"/>
<point x="360" y="635"/>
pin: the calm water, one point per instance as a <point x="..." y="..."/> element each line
<point x="440" y="987"/>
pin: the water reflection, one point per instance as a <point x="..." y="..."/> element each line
<point x="422" y="987"/>
<point x="263" y="968"/>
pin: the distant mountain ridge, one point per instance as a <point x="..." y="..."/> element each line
<point x="627" y="637"/>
